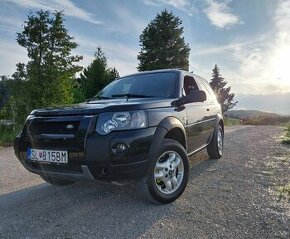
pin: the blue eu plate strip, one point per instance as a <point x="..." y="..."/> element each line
<point x="28" y="153"/>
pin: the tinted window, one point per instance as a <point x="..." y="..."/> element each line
<point x="189" y="84"/>
<point x="163" y="84"/>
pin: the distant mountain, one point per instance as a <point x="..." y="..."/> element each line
<point x="275" y="103"/>
<point x="249" y="114"/>
<point x="256" y="117"/>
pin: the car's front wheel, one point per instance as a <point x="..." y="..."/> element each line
<point x="56" y="181"/>
<point x="168" y="173"/>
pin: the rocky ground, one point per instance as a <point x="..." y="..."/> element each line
<point x="242" y="195"/>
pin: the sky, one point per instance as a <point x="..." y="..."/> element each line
<point x="249" y="40"/>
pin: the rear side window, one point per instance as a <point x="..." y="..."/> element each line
<point x="211" y="98"/>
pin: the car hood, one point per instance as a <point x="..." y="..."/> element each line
<point x="100" y="106"/>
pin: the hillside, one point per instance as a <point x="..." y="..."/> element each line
<point x="249" y="114"/>
<point x="257" y="117"/>
<point x="277" y="103"/>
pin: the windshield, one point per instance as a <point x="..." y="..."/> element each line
<point x="155" y="85"/>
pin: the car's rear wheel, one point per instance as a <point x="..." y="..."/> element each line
<point x="168" y="173"/>
<point x="216" y="145"/>
<point x="56" y="181"/>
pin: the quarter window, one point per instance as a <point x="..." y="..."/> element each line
<point x="209" y="99"/>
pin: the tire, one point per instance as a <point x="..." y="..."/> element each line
<point x="216" y="145"/>
<point x="168" y="173"/>
<point x="56" y="181"/>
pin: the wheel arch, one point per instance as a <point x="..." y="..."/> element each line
<point x="220" y="121"/>
<point x="175" y="130"/>
<point x="170" y="128"/>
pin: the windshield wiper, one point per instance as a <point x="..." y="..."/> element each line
<point x="128" y="95"/>
<point x="98" y="97"/>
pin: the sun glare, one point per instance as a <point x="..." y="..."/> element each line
<point x="282" y="64"/>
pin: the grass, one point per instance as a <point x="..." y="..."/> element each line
<point x="286" y="137"/>
<point x="285" y="124"/>
<point x="231" y="121"/>
<point x="284" y="192"/>
<point x="7" y="134"/>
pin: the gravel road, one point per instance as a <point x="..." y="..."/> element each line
<point x="234" y="197"/>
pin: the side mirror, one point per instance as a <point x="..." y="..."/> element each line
<point x="193" y="96"/>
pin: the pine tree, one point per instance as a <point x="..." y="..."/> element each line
<point x="14" y="105"/>
<point x="218" y="84"/>
<point x="18" y="105"/>
<point x="51" y="67"/>
<point x="162" y="44"/>
<point x="4" y="92"/>
<point x="95" y="77"/>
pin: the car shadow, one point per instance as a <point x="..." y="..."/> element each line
<point x="84" y="210"/>
<point x="200" y="163"/>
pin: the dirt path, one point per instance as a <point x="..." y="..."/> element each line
<point x="235" y="197"/>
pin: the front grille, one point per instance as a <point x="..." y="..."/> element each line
<point x="53" y="133"/>
<point x="46" y="127"/>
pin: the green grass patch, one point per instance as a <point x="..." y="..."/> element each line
<point x="8" y="133"/>
<point x="286" y="137"/>
<point x="231" y="121"/>
<point x="285" y="124"/>
<point x="284" y="192"/>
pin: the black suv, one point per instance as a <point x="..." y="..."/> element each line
<point x="141" y="126"/>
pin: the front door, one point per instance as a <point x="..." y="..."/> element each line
<point x="197" y="118"/>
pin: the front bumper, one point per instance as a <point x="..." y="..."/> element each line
<point x="93" y="158"/>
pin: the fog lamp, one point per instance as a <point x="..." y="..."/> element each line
<point x="120" y="148"/>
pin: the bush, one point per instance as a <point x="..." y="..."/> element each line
<point x="286" y="138"/>
<point x="8" y="133"/>
<point x="232" y="121"/>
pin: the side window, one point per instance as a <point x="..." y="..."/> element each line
<point x="211" y="92"/>
<point x="189" y="84"/>
<point x="209" y="99"/>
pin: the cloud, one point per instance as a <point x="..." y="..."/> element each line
<point x="15" y="22"/>
<point x="10" y="24"/>
<point x="109" y="47"/>
<point x="183" y="5"/>
<point x="11" y="53"/>
<point x="219" y="14"/>
<point x="267" y="62"/>
<point x="247" y="65"/>
<point x="120" y="56"/>
<point x="127" y="21"/>
<point x="281" y="47"/>
<point x="233" y="47"/>
<point x="69" y="8"/>
<point x="256" y="65"/>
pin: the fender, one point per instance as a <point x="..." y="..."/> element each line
<point x="163" y="128"/>
<point x="211" y="142"/>
<point x="218" y="119"/>
<point x="171" y="122"/>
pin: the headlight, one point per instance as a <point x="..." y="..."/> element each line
<point x="108" y="122"/>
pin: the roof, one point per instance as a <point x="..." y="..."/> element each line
<point x="165" y="70"/>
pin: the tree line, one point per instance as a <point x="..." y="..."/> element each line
<point x="49" y="77"/>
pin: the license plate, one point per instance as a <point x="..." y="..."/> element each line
<point x="48" y="156"/>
